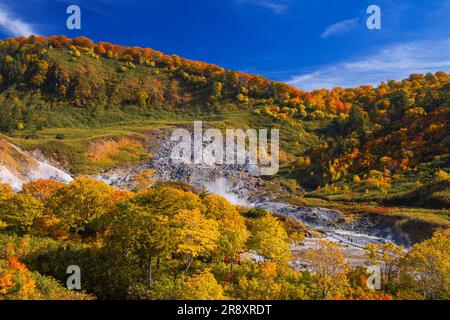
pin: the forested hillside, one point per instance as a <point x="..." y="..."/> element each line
<point x="168" y="242"/>
<point x="365" y="140"/>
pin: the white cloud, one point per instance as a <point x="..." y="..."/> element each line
<point x="396" y="62"/>
<point x="340" y="28"/>
<point x="14" y="26"/>
<point x="275" y="6"/>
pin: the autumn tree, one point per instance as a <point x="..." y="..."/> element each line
<point x="269" y="239"/>
<point x="329" y="269"/>
<point x="160" y="223"/>
<point x="81" y="203"/>
<point x="20" y="211"/>
<point x="425" y="270"/>
<point x="40" y="74"/>
<point x="41" y="189"/>
<point x="262" y="284"/>
<point x="17" y="282"/>
<point x="6" y="192"/>
<point x="168" y="200"/>
<point x="194" y="235"/>
<point x="387" y="257"/>
<point x="202" y="286"/>
<point x="233" y="231"/>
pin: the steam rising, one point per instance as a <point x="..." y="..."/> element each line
<point x="222" y="188"/>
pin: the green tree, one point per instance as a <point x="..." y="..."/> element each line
<point x="20" y="211"/>
<point x="82" y="203"/>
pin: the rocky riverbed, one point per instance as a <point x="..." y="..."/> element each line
<point x="241" y="186"/>
<point x="240" y="179"/>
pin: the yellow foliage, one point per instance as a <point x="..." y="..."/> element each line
<point x="426" y="268"/>
<point x="233" y="231"/>
<point x="270" y="239"/>
<point x="81" y="202"/>
<point x="377" y="180"/>
<point x="303" y="162"/>
<point x="202" y="286"/>
<point x="329" y="269"/>
<point x="387" y="256"/>
<point x="195" y="235"/>
<point x="441" y="175"/>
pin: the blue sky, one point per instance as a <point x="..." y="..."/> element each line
<point x="310" y="44"/>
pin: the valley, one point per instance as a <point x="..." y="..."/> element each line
<point x="87" y="179"/>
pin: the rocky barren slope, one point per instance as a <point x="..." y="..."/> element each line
<point x="18" y="167"/>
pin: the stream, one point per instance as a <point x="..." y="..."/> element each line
<point x="351" y="238"/>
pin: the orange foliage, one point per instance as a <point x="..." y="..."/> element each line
<point x="41" y="189"/>
<point x="15" y="264"/>
<point x="107" y="149"/>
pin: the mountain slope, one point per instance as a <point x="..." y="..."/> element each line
<point x="17" y="167"/>
<point x="347" y="144"/>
